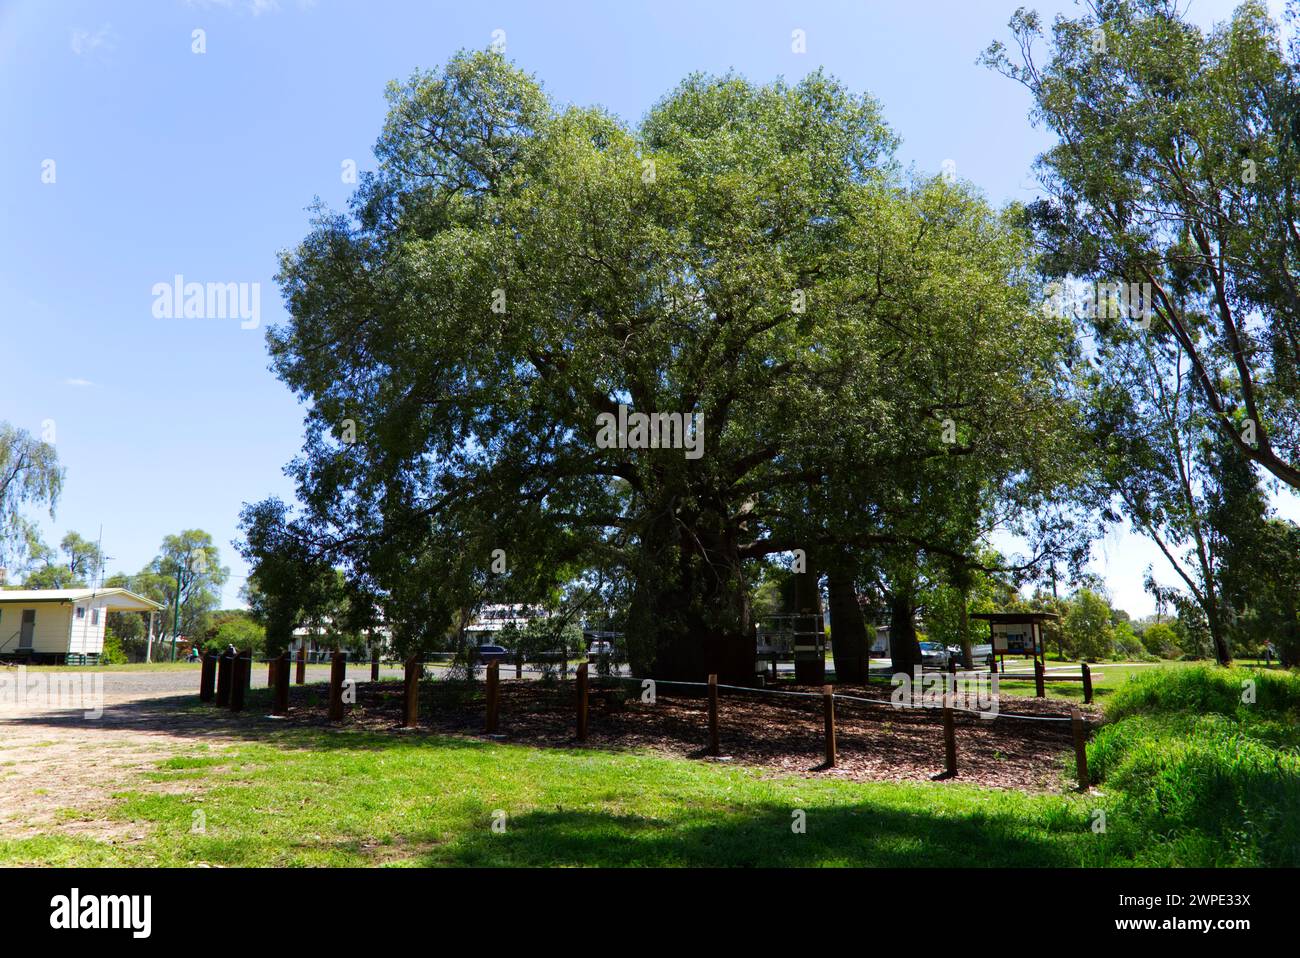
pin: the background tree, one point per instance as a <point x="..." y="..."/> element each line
<point x="30" y="475"/>
<point x="1178" y="166"/>
<point x="1088" y="627"/>
<point x="83" y="566"/>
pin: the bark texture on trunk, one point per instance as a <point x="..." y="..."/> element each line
<point x="690" y="615"/>
<point x="904" y="649"/>
<point x="849" y="644"/>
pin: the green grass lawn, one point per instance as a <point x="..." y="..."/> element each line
<point x="1189" y="775"/>
<point x="351" y="798"/>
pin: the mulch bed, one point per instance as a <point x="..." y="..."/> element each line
<point x="777" y="732"/>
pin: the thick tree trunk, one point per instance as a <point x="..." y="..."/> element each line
<point x="690" y="614"/>
<point x="904" y="649"/>
<point x="849" y="645"/>
<point x="967" y="657"/>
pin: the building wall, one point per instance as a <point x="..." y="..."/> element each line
<point x="51" y="633"/>
<point x="87" y="635"/>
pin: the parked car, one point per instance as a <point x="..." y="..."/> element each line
<point x="981" y="656"/>
<point x="601" y="647"/>
<point x="933" y="654"/>
<point x="490" y="653"/>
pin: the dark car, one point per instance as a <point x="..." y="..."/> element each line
<point x="490" y="653"/>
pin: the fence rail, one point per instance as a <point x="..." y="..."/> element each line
<point x="232" y="672"/>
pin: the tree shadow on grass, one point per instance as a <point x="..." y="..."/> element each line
<point x="859" y="835"/>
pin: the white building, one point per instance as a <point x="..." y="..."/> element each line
<point x="61" y="625"/>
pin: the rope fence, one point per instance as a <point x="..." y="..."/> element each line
<point x="225" y="679"/>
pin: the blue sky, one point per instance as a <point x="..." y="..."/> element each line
<point x="171" y="162"/>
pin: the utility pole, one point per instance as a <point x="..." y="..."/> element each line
<point x="176" y="619"/>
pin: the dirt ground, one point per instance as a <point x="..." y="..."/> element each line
<point x="785" y="733"/>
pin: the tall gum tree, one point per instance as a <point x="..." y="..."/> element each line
<point x="1177" y="168"/>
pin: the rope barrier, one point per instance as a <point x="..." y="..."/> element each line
<point x="836" y="695"/>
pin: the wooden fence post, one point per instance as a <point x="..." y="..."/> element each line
<point x="1038" y="679"/>
<point x="715" y="744"/>
<point x="302" y="662"/>
<point x="493" y="674"/>
<point x="949" y="743"/>
<point x="1080" y="748"/>
<point x="1087" y="682"/>
<point x="374" y="665"/>
<point x="280" y="704"/>
<point x="582" y="702"/>
<point x="411" y="693"/>
<point x="270" y="673"/>
<point x="224" y="665"/>
<point x="338" y="667"/>
<point x="207" y="676"/>
<point x="519" y="665"/>
<point x="241" y="668"/>
<point x="828" y="715"/>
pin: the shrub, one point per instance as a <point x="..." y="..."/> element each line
<point x="113" y="653"/>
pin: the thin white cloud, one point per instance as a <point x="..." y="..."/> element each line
<point x="84" y="41"/>
<point x="77" y="382"/>
<point x="255" y="7"/>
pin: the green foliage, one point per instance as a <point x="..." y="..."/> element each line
<point x="30" y="475"/>
<point x="241" y="632"/>
<point x="113" y="653"/>
<point x="750" y="254"/>
<point x="1176" y="164"/>
<point x="1160" y="640"/>
<point x="1203" y="778"/>
<point x="1087" y="627"/>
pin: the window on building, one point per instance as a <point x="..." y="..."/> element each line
<point x="94" y="617"/>
<point x="81" y="612"/>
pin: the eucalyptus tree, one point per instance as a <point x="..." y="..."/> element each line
<point x="542" y="338"/>
<point x="30" y="474"/>
<point x="1176" y="172"/>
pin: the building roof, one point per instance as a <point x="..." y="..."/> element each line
<point x="1015" y="618"/>
<point x="119" y="600"/>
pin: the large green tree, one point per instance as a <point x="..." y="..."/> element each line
<point x="857" y="348"/>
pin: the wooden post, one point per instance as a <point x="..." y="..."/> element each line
<point x="302" y="662"/>
<point x="411" y="688"/>
<point x="1038" y="679"/>
<point x="715" y="745"/>
<point x="828" y="715"/>
<point x="1080" y="748"/>
<point x="270" y="673"/>
<point x="207" y="676"/>
<point x="519" y="665"/>
<point x="338" y="667"/>
<point x="374" y="665"/>
<point x="224" y="665"/>
<point x="582" y="702"/>
<point x="280" y="704"/>
<point x="493" y="675"/>
<point x="1087" y="682"/>
<point x="241" y="667"/>
<point x="949" y="743"/>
